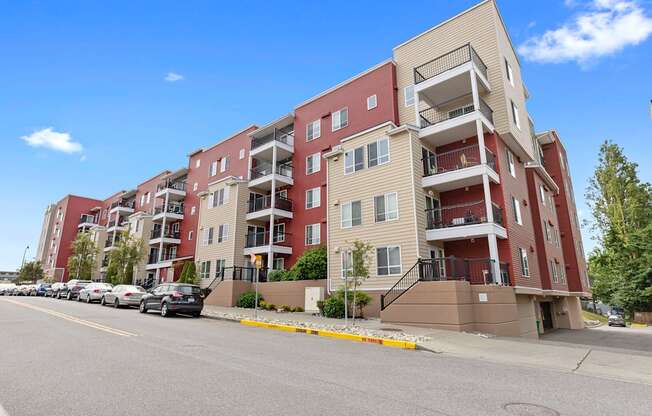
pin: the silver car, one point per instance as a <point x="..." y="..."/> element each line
<point x="123" y="295"/>
<point x="94" y="292"/>
<point x="616" y="319"/>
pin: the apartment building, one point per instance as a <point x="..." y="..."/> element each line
<point x="44" y="238"/>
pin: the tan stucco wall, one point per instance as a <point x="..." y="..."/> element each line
<point x="292" y="293"/>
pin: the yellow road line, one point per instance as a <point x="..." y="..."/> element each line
<point x="74" y="319"/>
<point x="331" y="334"/>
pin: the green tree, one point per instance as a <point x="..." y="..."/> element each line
<point x="189" y="273"/>
<point x="84" y="255"/>
<point x="621" y="205"/>
<point x="129" y="251"/>
<point x="311" y="265"/>
<point x="31" y="271"/>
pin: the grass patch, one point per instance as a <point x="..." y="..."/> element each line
<point x="590" y="316"/>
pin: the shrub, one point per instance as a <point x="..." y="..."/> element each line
<point x="275" y="276"/>
<point x="248" y="300"/>
<point x="334" y="307"/>
<point x="320" y="306"/>
<point x="362" y="299"/>
<point x="262" y="304"/>
<point x="311" y="265"/>
<point x="271" y="307"/>
<point x="286" y="308"/>
<point x="297" y="309"/>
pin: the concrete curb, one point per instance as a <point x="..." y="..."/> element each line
<point x="408" y="345"/>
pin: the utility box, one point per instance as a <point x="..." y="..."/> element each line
<point x="312" y="296"/>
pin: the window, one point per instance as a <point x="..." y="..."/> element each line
<point x="388" y="260"/>
<point x="354" y="160"/>
<point x="313" y="163"/>
<point x="510" y="74"/>
<point x="205" y="269"/>
<point x="137" y="226"/>
<point x="372" y="102"/>
<point x="197" y="163"/>
<point x="142" y="200"/>
<point x="218" y="198"/>
<point x="516" y="205"/>
<point x="224" y="164"/>
<point x="386" y="207"/>
<point x="147" y="197"/>
<point x="194" y="186"/>
<point x="517" y="122"/>
<point x="409" y="95"/>
<point x="189" y="235"/>
<point x="547" y="230"/>
<point x="279" y="233"/>
<point x="510" y="163"/>
<point x="351" y="213"/>
<point x="562" y="273"/>
<point x="242" y="154"/>
<point x="175" y="227"/>
<point x="340" y="119"/>
<point x="313" y="130"/>
<point x="553" y="271"/>
<point x="220" y="264"/>
<point x="313" y="232"/>
<point x="313" y="198"/>
<point x="278" y="263"/>
<point x="192" y="210"/>
<point x="542" y="191"/>
<point x="208" y="236"/>
<point x="525" y="265"/>
<point x="378" y="152"/>
<point x="347" y="262"/>
<point x="222" y="233"/>
<point x="213" y="168"/>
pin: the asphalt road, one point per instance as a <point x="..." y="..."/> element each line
<point x="68" y="358"/>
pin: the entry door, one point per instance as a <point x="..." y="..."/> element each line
<point x="256" y="236"/>
<point x="433" y="211"/>
<point x="429" y="162"/>
<point x="546" y="315"/>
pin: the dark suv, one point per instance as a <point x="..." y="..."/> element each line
<point x="71" y="289"/>
<point x="171" y="298"/>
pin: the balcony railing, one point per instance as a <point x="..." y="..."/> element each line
<point x="260" y="204"/>
<point x="456" y="159"/>
<point x="87" y="219"/>
<point x="124" y="204"/>
<point x="116" y="223"/>
<point x="178" y="185"/>
<point x="153" y="258"/>
<point x="462" y="214"/>
<point x="431" y="116"/>
<point x="260" y="239"/>
<point x="279" y="135"/>
<point x="264" y="169"/>
<point x="156" y="233"/>
<point x="448" y="61"/>
<point x="171" y="208"/>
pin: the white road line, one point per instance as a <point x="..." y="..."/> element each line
<point x="74" y="319"/>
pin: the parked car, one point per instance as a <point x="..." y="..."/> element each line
<point x="7" y="289"/>
<point x="55" y="290"/>
<point x="39" y="289"/>
<point x="171" y="298"/>
<point x="22" y="290"/>
<point x="93" y="292"/>
<point x="71" y="290"/>
<point x="123" y="295"/>
<point x="616" y="318"/>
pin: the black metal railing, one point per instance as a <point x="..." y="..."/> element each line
<point x="145" y="283"/>
<point x="461" y="214"/>
<point x="264" y="169"/>
<point x="456" y="159"/>
<point x="177" y="185"/>
<point x="87" y="219"/>
<point x="157" y="233"/>
<point x="431" y="116"/>
<point x="116" y="223"/>
<point x="478" y="271"/>
<point x="260" y="239"/>
<point x="285" y="135"/>
<point x="259" y="204"/>
<point x="124" y="204"/>
<point x="171" y="208"/>
<point x="448" y="61"/>
<point x="247" y="274"/>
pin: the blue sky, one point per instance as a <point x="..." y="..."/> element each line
<point x="95" y="74"/>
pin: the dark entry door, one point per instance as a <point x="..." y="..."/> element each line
<point x="546" y="315"/>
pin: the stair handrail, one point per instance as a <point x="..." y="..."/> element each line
<point x="409" y="279"/>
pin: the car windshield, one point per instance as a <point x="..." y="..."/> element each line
<point x="186" y="290"/>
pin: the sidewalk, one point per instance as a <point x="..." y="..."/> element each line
<point x="620" y="365"/>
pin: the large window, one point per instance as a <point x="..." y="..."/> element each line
<point x="279" y="233"/>
<point x="207" y="236"/>
<point x="372" y="102"/>
<point x="340" y="119"/>
<point x="213" y="168"/>
<point x="313" y="130"/>
<point x="386" y="207"/>
<point x="224" y="164"/>
<point x="205" y="269"/>
<point x="510" y="163"/>
<point x="347" y="263"/>
<point x="313" y="234"/>
<point x="388" y="260"/>
<point x="516" y="205"/>
<point x="313" y="163"/>
<point x="220" y="264"/>
<point x="313" y="198"/>
<point x="378" y="152"/>
<point x="223" y="233"/>
<point x="351" y="214"/>
<point x="409" y="95"/>
<point x="219" y="197"/>
<point x="553" y="271"/>
<point x="525" y="264"/>
<point x="354" y="160"/>
<point x="517" y="121"/>
<point x="278" y="263"/>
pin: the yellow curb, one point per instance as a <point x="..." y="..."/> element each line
<point x="331" y="334"/>
<point x="634" y="325"/>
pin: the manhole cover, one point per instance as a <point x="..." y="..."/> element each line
<point x="528" y="409"/>
<point x="391" y="329"/>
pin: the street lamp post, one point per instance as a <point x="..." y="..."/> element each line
<point x="22" y="263"/>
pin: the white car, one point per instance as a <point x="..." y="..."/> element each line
<point x="123" y="295"/>
<point x="94" y="292"/>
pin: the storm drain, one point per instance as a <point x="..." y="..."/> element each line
<point x="529" y="409"/>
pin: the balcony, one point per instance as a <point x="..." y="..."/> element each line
<point x="453" y="122"/>
<point x="476" y="271"/>
<point x="281" y="139"/>
<point x="123" y="206"/>
<point x="463" y="221"/>
<point x="175" y="190"/>
<point x="86" y="221"/>
<point x="170" y="237"/>
<point x="458" y="168"/>
<point x="448" y="76"/>
<point x="258" y="243"/>
<point x="166" y="260"/>
<point x="172" y="212"/>
<point x="110" y="244"/>
<point x="261" y="176"/>
<point x="261" y="208"/>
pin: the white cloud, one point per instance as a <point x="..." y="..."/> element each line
<point x="50" y="139"/>
<point x="173" y="77"/>
<point x="603" y="28"/>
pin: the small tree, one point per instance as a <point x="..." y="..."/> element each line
<point x="311" y="265"/>
<point x="31" y="271"/>
<point x="189" y="273"/>
<point x="127" y="254"/>
<point x="84" y="255"/>
<point x="360" y="257"/>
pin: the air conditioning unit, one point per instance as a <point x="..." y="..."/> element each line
<point x="312" y="295"/>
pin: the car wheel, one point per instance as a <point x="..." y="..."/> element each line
<point x="88" y="298"/>
<point x="116" y="303"/>
<point x="142" y="308"/>
<point x="196" y="314"/>
<point x="165" y="312"/>
<point x="102" y="301"/>
<point x="69" y="296"/>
